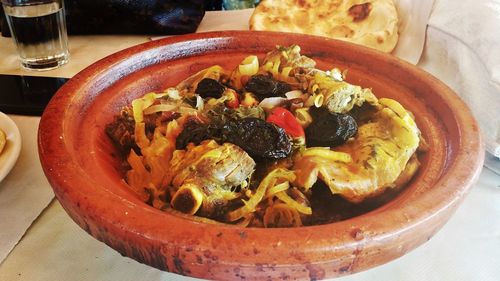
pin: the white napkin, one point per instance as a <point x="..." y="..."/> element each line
<point x="413" y="17"/>
<point x="463" y="50"/>
<point x="225" y="20"/>
<point x="25" y="192"/>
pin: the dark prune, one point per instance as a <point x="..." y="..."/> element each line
<point x="329" y="129"/>
<point x="209" y="88"/>
<point x="260" y="139"/>
<point x="261" y="85"/>
<point x="195" y="132"/>
<point x="282" y="88"/>
<point x="190" y="100"/>
<point x="264" y="86"/>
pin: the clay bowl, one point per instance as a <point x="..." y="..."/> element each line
<point x="80" y="163"/>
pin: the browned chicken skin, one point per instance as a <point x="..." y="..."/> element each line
<point x="206" y="175"/>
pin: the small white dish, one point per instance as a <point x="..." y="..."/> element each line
<point x="10" y="153"/>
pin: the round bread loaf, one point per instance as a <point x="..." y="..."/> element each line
<point x="370" y="23"/>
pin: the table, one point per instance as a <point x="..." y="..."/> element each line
<point x="55" y="248"/>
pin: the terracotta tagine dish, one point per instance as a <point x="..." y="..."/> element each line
<point x="80" y="163"/>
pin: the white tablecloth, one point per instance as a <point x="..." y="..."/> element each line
<point x="55" y="248"/>
<point x="25" y="192"/>
<point x="467" y="248"/>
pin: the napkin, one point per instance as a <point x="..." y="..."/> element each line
<point x="413" y="17"/>
<point x="25" y="192"/>
<point x="463" y="50"/>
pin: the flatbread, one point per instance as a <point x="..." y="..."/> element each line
<point x="3" y="140"/>
<point x="370" y="23"/>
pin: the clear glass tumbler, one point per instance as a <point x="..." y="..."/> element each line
<point x="38" y="28"/>
<point x="238" y="4"/>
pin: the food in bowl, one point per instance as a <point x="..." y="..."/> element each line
<point x="369" y="23"/>
<point x="266" y="144"/>
<point x="82" y="165"/>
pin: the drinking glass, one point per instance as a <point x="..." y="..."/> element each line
<point x="38" y="28"/>
<point x="238" y="4"/>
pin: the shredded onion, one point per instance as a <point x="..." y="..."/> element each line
<point x="281" y="215"/>
<point x="286" y="71"/>
<point x="269" y="181"/>
<point x="272" y="102"/>
<point x="303" y="117"/>
<point x="293" y="204"/>
<point x="294" y="94"/>
<point x="277" y="188"/>
<point x="159" y="108"/>
<point x="199" y="102"/>
<point x="249" y="66"/>
<point x="325" y="152"/>
<point x="318" y="100"/>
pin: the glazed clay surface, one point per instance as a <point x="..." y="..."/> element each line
<point x="80" y="163"/>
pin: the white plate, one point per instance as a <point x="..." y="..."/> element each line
<point x="10" y="153"/>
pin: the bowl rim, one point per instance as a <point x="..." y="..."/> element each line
<point x="462" y="171"/>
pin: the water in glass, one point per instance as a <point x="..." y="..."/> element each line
<point x="39" y="31"/>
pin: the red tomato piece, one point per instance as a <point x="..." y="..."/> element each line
<point x="285" y="119"/>
<point x="232" y="98"/>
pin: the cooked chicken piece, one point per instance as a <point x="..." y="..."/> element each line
<point x="205" y="176"/>
<point x="339" y="96"/>
<point x="283" y="57"/>
<point x="370" y="163"/>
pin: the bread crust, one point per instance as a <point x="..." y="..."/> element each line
<point x="370" y="23"/>
<point x="3" y="140"/>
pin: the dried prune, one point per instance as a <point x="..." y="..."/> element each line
<point x="209" y="88"/>
<point x="282" y="88"/>
<point x="264" y="86"/>
<point x="195" y="132"/>
<point x="328" y="128"/>
<point x="260" y="139"/>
